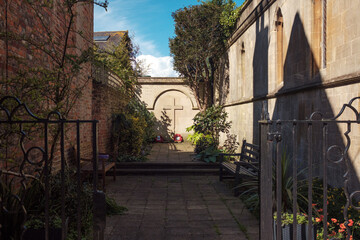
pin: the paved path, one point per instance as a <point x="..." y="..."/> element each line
<point x="165" y="207"/>
<point x="171" y="153"/>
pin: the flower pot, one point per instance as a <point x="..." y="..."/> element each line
<point x="39" y="234"/>
<point x="302" y="232"/>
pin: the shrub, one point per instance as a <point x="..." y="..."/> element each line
<point x="133" y="132"/>
<point x="207" y="128"/>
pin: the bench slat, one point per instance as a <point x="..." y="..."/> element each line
<point x="256" y="147"/>
<point x="252" y="152"/>
<point x="246" y="166"/>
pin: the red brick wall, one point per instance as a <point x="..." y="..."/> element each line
<point x="106" y="101"/>
<point x="98" y="102"/>
<point x="19" y="21"/>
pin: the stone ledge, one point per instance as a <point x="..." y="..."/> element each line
<point x="161" y="80"/>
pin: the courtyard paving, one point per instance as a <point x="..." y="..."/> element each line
<point x="169" y="207"/>
<point x="172" y="153"/>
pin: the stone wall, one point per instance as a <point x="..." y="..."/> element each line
<point x="172" y="102"/>
<point x="299" y="57"/>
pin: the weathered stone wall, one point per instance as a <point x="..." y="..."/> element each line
<point x="283" y="53"/>
<point x="161" y="96"/>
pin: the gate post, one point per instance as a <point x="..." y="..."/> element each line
<point x="266" y="201"/>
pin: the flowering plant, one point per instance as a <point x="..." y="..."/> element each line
<point x="337" y="229"/>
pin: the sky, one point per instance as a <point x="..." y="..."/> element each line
<point x="150" y="26"/>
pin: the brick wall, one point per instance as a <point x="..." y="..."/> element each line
<point x="26" y="49"/>
<point x="107" y="100"/>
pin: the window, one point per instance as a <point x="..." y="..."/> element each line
<point x="242" y="68"/>
<point x="316" y="37"/>
<point x="279" y="47"/>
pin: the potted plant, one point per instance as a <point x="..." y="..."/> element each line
<point x="35" y="228"/>
<point x="287" y="226"/>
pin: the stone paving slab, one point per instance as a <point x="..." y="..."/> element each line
<point x="177" y="207"/>
<point x="171" y="153"/>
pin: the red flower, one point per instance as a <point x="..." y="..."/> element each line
<point x="351" y="222"/>
<point x="334" y="220"/>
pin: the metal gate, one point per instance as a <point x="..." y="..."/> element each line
<point x="33" y="162"/>
<point x="293" y="153"/>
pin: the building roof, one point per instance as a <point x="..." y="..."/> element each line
<point x="107" y="39"/>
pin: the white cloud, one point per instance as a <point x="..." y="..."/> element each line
<point x="158" y="66"/>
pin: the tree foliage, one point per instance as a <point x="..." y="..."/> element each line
<point x="200" y="43"/>
<point x="121" y="59"/>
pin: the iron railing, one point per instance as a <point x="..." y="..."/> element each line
<point x="313" y="148"/>
<point x="15" y="115"/>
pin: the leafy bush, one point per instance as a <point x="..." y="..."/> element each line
<point x="133" y="132"/>
<point x="34" y="204"/>
<point x="207" y="128"/>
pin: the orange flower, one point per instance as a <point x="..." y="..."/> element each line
<point x="319" y="219"/>
<point x="351" y="237"/>
<point x="342" y="226"/>
<point x="351" y="222"/>
<point x="334" y="220"/>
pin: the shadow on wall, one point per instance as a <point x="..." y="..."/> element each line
<point x="163" y="126"/>
<point x="260" y="72"/>
<point x="222" y="84"/>
<point x="298" y="70"/>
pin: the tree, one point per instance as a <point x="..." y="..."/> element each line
<point x="121" y="59"/>
<point x="200" y="43"/>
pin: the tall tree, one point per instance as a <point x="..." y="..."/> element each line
<point x="200" y="43"/>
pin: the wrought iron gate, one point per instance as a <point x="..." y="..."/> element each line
<point x="316" y="147"/>
<point x="33" y="161"/>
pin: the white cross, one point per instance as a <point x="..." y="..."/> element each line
<point x="174" y="108"/>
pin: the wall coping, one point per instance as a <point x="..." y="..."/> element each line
<point x="250" y="12"/>
<point x="161" y="80"/>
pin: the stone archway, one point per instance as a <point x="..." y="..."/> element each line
<point x="174" y="112"/>
<point x="172" y="102"/>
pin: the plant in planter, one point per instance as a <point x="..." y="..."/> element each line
<point x="288" y="226"/>
<point x="35" y="228"/>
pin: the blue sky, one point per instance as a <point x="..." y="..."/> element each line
<point x="150" y="25"/>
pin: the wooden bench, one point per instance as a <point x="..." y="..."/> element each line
<point x="104" y="165"/>
<point x="240" y="165"/>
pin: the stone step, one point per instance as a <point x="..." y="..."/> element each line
<point x="151" y="165"/>
<point x="166" y="171"/>
<point x="166" y="168"/>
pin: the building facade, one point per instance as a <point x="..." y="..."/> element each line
<point x="295" y="57"/>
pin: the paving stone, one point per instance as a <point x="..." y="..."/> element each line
<point x="177" y="208"/>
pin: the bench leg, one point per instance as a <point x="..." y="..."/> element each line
<point x="114" y="177"/>
<point x="220" y="173"/>
<point x="237" y="182"/>
<point x="104" y="180"/>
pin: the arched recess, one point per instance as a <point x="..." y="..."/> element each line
<point x="194" y="107"/>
